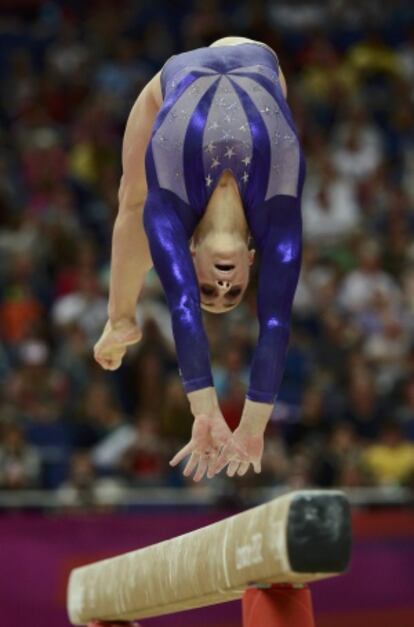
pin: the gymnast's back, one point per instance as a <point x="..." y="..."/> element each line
<point x="224" y="109"/>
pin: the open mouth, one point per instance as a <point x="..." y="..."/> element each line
<point x="224" y="267"/>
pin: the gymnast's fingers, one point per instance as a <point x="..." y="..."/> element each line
<point x="191" y="464"/>
<point x="243" y="468"/>
<point x="222" y="461"/>
<point x="233" y="466"/>
<point x="186" y="450"/>
<point x="211" y="468"/>
<point x="257" y="465"/>
<point x="202" y="467"/>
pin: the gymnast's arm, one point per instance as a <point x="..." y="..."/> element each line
<point x="168" y="239"/>
<point x="279" y="244"/>
<point x="280" y="251"/>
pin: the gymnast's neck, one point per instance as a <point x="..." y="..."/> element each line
<point x="224" y="220"/>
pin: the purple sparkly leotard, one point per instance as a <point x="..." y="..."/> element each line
<point x="224" y="109"/>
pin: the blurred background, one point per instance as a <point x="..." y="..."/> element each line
<point x="84" y="453"/>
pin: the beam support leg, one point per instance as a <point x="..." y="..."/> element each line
<point x="278" y="605"/>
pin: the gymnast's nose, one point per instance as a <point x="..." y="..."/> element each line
<point x="223" y="285"/>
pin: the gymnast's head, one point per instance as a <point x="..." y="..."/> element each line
<point x="220" y="250"/>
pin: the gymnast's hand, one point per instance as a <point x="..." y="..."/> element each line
<point x="245" y="446"/>
<point x="209" y="434"/>
<point x="116" y="337"/>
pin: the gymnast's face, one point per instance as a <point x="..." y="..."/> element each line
<point x="223" y="275"/>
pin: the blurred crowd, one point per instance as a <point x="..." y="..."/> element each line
<point x="345" y="412"/>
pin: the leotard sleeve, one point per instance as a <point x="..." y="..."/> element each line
<point x="169" y="223"/>
<point x="279" y="247"/>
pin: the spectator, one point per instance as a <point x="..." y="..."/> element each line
<point x="20" y="464"/>
<point x="391" y="460"/>
<point x="405" y="411"/>
<point x="83" y="489"/>
<point x="330" y="208"/>
<point x="369" y="279"/>
<point x="145" y="462"/>
<point x="363" y="410"/>
<point x="86" y="306"/>
<point x="342" y="453"/>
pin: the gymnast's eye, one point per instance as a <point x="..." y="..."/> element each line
<point x="208" y="290"/>
<point x="234" y="292"/>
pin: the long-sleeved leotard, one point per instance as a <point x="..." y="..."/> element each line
<point x="224" y="110"/>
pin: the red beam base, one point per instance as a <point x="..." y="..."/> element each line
<point x="279" y="605"/>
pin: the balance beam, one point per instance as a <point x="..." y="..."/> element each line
<point x="295" y="539"/>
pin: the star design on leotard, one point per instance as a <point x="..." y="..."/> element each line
<point x="232" y="105"/>
<point x="246" y="161"/>
<point x="266" y="110"/>
<point x="215" y="163"/>
<point x="229" y="153"/>
<point x="243" y="128"/>
<point x="245" y="177"/>
<point x="214" y="125"/>
<point x="210" y="147"/>
<point x="209" y="180"/>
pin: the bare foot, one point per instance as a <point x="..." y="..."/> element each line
<point x="116" y="337"/>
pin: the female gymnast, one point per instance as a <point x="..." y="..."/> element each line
<point x="210" y="157"/>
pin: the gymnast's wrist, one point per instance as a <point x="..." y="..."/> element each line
<point x="203" y="402"/>
<point x="255" y="416"/>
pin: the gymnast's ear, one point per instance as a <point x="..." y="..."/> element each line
<point x="252" y="253"/>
